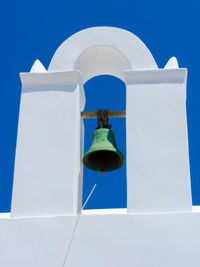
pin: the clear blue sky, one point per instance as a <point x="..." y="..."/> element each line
<point x="34" y="29"/>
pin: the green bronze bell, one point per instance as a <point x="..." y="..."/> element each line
<point x="103" y="154"/>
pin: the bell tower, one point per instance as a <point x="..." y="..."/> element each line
<point x="48" y="165"/>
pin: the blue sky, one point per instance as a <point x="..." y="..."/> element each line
<point x="34" y="29"/>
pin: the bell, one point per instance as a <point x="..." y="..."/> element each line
<point x="103" y="154"/>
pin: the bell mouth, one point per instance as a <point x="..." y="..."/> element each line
<point x="103" y="160"/>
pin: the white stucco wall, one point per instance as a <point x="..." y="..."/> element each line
<point x="35" y="242"/>
<point x="167" y="240"/>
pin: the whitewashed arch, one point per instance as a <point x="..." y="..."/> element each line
<point x="102" y="50"/>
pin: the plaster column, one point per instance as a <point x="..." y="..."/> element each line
<point x="47" y="176"/>
<point x="158" y="176"/>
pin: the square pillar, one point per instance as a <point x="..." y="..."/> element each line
<point x="158" y="175"/>
<point x="47" y="175"/>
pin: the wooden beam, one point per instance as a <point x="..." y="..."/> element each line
<point x="111" y="114"/>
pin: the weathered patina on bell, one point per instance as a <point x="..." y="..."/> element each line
<point x="103" y="154"/>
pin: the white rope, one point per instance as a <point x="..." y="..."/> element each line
<point x="88" y="198"/>
<point x="73" y="233"/>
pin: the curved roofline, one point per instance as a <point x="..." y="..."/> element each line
<point x="102" y="50"/>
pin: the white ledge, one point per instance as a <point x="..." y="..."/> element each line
<point x="195" y="209"/>
<point x="104" y="211"/>
<point x="5" y="215"/>
<point x="155" y="76"/>
<point x="51" y="78"/>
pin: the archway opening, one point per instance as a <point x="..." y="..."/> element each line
<point x="105" y="92"/>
